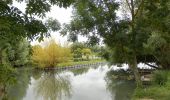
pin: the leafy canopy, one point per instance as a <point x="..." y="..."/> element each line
<point x="15" y="24"/>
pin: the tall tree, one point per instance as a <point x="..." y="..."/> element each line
<point x="125" y="37"/>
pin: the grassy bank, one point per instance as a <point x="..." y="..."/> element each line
<point x="78" y="63"/>
<point x="154" y="92"/>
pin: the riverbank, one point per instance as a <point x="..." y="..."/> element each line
<point x="74" y="65"/>
<point x="153" y="92"/>
<point x="69" y="64"/>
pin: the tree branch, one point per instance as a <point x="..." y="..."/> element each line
<point x="128" y="5"/>
<point x="152" y="66"/>
<point x="140" y="6"/>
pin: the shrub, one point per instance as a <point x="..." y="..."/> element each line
<point x="160" y="77"/>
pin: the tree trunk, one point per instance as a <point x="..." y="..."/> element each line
<point x="165" y="66"/>
<point x="133" y="60"/>
<point x="0" y="56"/>
<point x="133" y="67"/>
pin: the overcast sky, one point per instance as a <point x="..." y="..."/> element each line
<point x="61" y="14"/>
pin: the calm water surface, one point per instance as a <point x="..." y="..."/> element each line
<point x="80" y="84"/>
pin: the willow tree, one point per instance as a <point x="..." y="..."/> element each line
<point x="124" y="36"/>
<point x="50" y="55"/>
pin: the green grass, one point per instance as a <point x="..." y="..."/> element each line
<point x="153" y="92"/>
<point x="72" y="63"/>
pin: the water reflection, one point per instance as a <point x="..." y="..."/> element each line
<point x="52" y="86"/>
<point x="36" y="74"/>
<point x="79" y="71"/>
<point x="91" y="83"/>
<point x="17" y="90"/>
<point x="120" y="89"/>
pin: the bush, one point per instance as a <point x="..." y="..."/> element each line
<point x="160" y="77"/>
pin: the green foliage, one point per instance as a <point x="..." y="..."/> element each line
<point x="154" y="91"/>
<point x="7" y="75"/>
<point x="77" y="54"/>
<point x="98" y="50"/>
<point x="155" y="41"/>
<point x="159" y="40"/>
<point x="40" y="7"/>
<point x="76" y="50"/>
<point x="86" y="52"/>
<point x="16" y="54"/>
<point x="52" y="24"/>
<point x="116" y="33"/>
<point x="158" y="46"/>
<point x="50" y="55"/>
<point x="142" y="23"/>
<point x="124" y="36"/>
<point x="16" y="25"/>
<point x="86" y="19"/>
<point x="79" y="50"/>
<point x="160" y="77"/>
<point x="21" y="53"/>
<point x="77" y="45"/>
<point x="104" y="53"/>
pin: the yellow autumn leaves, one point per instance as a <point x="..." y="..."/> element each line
<point x="50" y="55"/>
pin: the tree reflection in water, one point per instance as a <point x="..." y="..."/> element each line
<point x="119" y="89"/>
<point x="36" y="74"/>
<point x="79" y="71"/>
<point x="22" y="82"/>
<point x="52" y="86"/>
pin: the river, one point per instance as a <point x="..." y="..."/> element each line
<point x="90" y="83"/>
